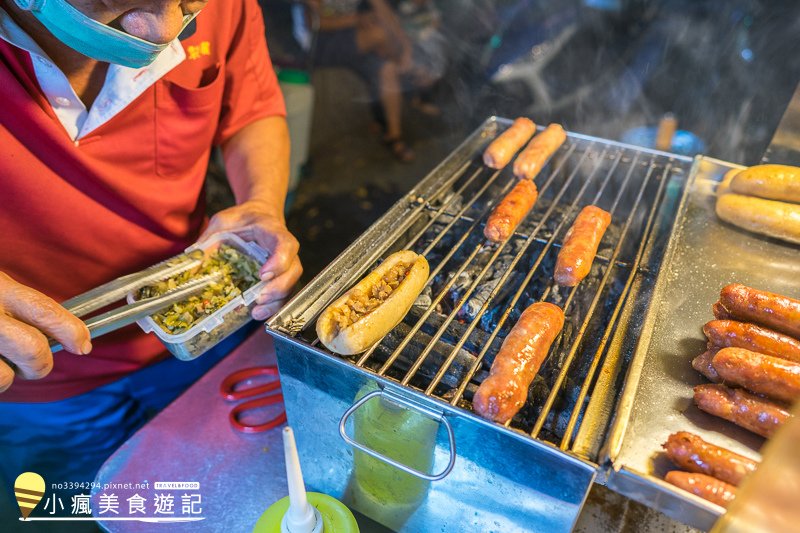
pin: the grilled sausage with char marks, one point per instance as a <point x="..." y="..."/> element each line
<point x="734" y="334"/>
<point x="538" y="151"/>
<point x="503" y="148"/>
<point x="690" y="452"/>
<point x="507" y="215"/>
<point x="706" y="487"/>
<point x="580" y="246"/>
<point x="756" y="414"/>
<point x="773" y="377"/>
<point x="505" y="391"/>
<point x="776" y="312"/>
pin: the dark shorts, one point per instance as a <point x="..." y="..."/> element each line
<point x="338" y="49"/>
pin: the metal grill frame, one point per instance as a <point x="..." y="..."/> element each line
<point x="363" y="254"/>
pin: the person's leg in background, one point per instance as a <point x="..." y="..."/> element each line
<point x="68" y="440"/>
<point x="381" y="71"/>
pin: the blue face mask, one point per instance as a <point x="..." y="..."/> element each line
<point x="92" y="38"/>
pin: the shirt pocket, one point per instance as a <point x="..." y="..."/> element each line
<point x="186" y="120"/>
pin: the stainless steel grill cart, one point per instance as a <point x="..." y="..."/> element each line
<point x="615" y="384"/>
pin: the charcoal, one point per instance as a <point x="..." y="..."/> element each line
<point x="434" y="360"/>
<point x="490" y="318"/>
<point x="425" y="299"/>
<point x="480" y="296"/>
<point x="455" y="202"/>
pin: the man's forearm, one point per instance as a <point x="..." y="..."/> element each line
<point x="257" y="163"/>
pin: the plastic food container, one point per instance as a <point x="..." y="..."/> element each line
<point x="217" y="326"/>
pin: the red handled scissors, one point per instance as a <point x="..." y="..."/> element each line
<point x="230" y="391"/>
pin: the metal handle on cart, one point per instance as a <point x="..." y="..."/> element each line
<point x="439" y="417"/>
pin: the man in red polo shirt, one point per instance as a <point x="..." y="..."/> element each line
<point x="109" y="111"/>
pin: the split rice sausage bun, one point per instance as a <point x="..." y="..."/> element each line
<point x="374" y="306"/>
<point x="772" y="218"/>
<point x="773" y="182"/>
<point x="724" y="186"/>
<point x="763" y="199"/>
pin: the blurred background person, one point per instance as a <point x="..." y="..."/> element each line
<point x="366" y="36"/>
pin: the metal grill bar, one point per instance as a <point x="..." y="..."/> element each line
<point x="363" y="359"/>
<point x="443" y="292"/>
<point x="463" y="210"/>
<point x="567" y="438"/>
<point x="437" y="356"/>
<point x="518" y="294"/>
<point x="420" y="208"/>
<point x="540" y="240"/>
<point x="465" y="335"/>
<point x="574" y="290"/>
<point x="576" y="342"/>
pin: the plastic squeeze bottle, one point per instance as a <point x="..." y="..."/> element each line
<point x="302" y="512"/>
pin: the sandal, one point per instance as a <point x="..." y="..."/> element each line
<point x="399" y="149"/>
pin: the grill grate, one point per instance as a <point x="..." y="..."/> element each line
<point x="477" y="290"/>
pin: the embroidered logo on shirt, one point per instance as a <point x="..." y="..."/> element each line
<point x="196" y="51"/>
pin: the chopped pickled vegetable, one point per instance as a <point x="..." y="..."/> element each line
<point x="360" y="304"/>
<point x="239" y="273"/>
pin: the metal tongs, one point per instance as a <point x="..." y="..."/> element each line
<point x="110" y="292"/>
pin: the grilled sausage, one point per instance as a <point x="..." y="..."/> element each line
<point x="505" y="391"/>
<point x="775" y="182"/>
<point x="580" y="246"/>
<point x="759" y="415"/>
<point x="690" y="452"/>
<point x="503" y="148"/>
<point x="720" y="313"/>
<point x="538" y="151"/>
<point x="772" y="218"/>
<point x="763" y="374"/>
<point x="507" y="215"/>
<point x="776" y="312"/>
<point x="706" y="487"/>
<point x="702" y="363"/>
<point x="733" y="334"/>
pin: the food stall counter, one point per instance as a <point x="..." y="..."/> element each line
<point x="237" y="475"/>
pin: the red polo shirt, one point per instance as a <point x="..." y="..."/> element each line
<point x="74" y="215"/>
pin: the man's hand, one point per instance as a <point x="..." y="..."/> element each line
<point x="256" y="222"/>
<point x="27" y="317"/>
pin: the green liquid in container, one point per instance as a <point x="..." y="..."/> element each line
<point x="406" y="436"/>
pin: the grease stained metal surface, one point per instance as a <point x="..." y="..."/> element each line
<point x="442" y="350"/>
<point x="704" y="255"/>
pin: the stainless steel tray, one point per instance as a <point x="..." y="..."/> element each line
<point x="703" y="255"/>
